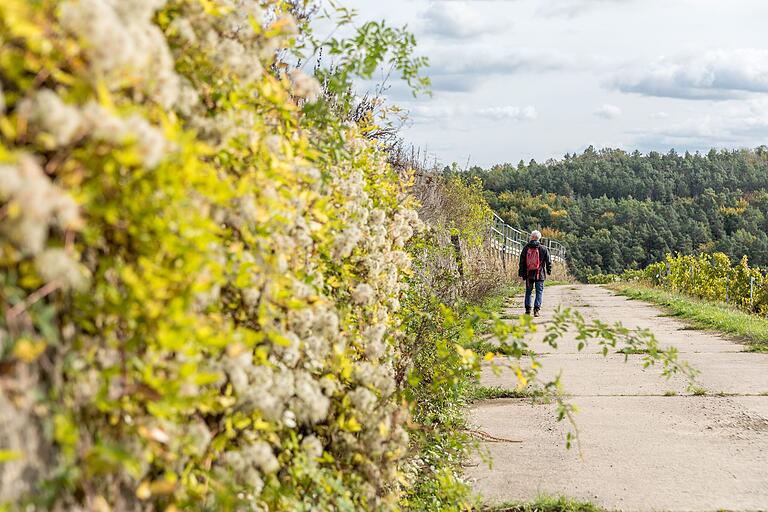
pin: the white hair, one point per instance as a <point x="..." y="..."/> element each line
<point x="536" y="235"/>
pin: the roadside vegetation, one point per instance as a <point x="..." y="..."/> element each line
<point x="703" y="314"/>
<point x="707" y="290"/>
<point x="547" y="504"/>
<point x="478" y="393"/>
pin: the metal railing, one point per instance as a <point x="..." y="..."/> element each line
<point x="510" y="241"/>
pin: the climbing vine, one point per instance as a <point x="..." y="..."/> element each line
<point x="713" y="277"/>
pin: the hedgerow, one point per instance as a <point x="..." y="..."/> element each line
<point x="201" y="305"/>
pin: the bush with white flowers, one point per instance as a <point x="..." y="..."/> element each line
<point x="200" y="305"/>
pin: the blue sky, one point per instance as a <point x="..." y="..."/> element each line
<point x="522" y="79"/>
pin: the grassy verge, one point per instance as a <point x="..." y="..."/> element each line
<point x="548" y="504"/>
<point x="498" y="303"/>
<point x="478" y="392"/>
<point x="719" y="317"/>
<point x="445" y="387"/>
<point x="503" y="298"/>
<point x="558" y="283"/>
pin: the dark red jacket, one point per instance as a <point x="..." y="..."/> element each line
<point x="544" y="258"/>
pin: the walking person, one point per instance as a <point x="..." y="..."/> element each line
<point x="535" y="266"/>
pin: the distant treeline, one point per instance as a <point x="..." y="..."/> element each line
<point x="618" y="210"/>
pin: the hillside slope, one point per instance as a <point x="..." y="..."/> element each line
<point x="618" y="210"/>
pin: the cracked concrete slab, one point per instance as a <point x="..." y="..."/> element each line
<point x="640" y="450"/>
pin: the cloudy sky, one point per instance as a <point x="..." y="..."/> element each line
<point x="522" y="79"/>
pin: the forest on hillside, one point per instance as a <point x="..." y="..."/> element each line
<point x="619" y="210"/>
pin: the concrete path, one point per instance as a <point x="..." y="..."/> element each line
<point x="640" y="448"/>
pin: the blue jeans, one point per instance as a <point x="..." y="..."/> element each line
<point x="539" y="293"/>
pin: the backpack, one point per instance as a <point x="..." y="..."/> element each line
<point x="532" y="259"/>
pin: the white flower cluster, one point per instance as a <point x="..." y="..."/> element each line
<point x="305" y="86"/>
<point x="363" y="294"/>
<point x="104" y="126"/>
<point x="45" y="111"/>
<point x="33" y="206"/>
<point x="50" y="114"/>
<point x="126" y="49"/>
<point x="235" y="46"/>
<point x="250" y="463"/>
<point x="275" y="391"/>
<point x="57" y="265"/>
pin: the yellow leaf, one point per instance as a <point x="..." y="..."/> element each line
<point x="143" y="492"/>
<point x="467" y="356"/>
<point x="28" y="350"/>
<point x="241" y="423"/>
<point x="8" y="455"/>
<point x="105" y="98"/>
<point x="489" y="356"/>
<point x="261" y="425"/>
<point x="13" y="209"/>
<point x="162" y="487"/>
<point x="521" y="377"/>
<point x="353" y="425"/>
<point x="7" y="128"/>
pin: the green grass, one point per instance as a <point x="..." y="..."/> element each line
<point x="479" y="392"/>
<point x="482" y="347"/>
<point x="670" y="392"/>
<point x="557" y="283"/>
<point x="497" y="303"/>
<point x="701" y="314"/>
<point x="698" y="391"/>
<point x="500" y="299"/>
<point x="547" y="504"/>
<point x="632" y="350"/>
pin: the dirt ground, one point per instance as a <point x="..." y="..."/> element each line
<point x="642" y="447"/>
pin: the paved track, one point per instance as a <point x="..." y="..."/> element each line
<point x="641" y="450"/>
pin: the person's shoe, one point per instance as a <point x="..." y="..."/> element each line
<point x="527" y="311"/>
<point x="536" y="312"/>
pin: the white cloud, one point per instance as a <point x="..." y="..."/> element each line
<point x="432" y="112"/>
<point x="446" y="112"/>
<point x="720" y="74"/>
<point x="564" y="66"/>
<point x="742" y="125"/>
<point x="607" y="111"/>
<point x="463" y="69"/>
<point x="493" y="60"/>
<point x="573" y="8"/>
<point x="457" y="20"/>
<point x="527" y="113"/>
